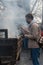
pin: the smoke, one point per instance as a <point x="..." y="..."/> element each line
<point x="13" y="15"/>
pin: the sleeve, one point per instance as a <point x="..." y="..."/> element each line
<point x="35" y="31"/>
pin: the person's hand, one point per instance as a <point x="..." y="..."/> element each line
<point x="26" y="35"/>
<point x="25" y="30"/>
<point x="29" y="36"/>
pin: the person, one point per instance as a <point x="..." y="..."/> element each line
<point x="33" y="33"/>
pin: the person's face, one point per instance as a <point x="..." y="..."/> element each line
<point x="28" y="20"/>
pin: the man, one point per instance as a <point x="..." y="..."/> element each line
<point x="34" y="34"/>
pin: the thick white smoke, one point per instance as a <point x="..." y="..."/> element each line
<point x="14" y="14"/>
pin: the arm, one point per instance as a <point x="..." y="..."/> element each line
<point x="25" y="30"/>
<point x="35" y="33"/>
<point x="29" y="36"/>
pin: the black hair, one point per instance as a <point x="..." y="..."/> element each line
<point x="29" y="16"/>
